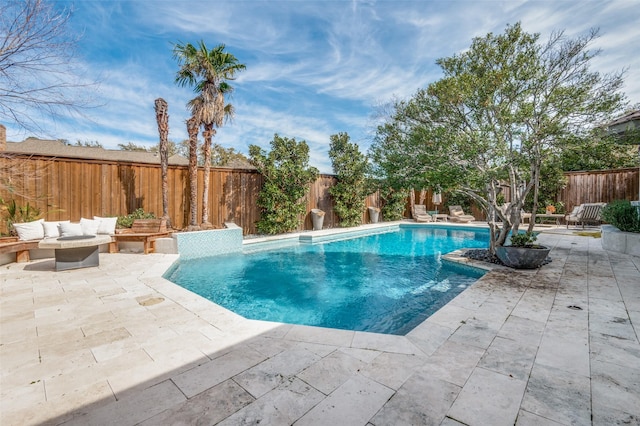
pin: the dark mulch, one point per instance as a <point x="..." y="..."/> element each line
<point x="482" y="255"/>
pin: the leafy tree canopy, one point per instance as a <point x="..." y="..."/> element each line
<point x="502" y="108"/>
<point x="172" y="148"/>
<point x="229" y="157"/>
<point x="84" y="144"/>
<point x="130" y="146"/>
<point x="594" y="153"/>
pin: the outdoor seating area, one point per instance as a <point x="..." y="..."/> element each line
<point x="83" y="237"/>
<point x="556" y="345"/>
<point x="583" y="214"/>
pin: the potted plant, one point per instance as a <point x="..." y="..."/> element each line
<point x="523" y="253"/>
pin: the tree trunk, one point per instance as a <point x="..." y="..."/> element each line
<point x="207" y="134"/>
<point x="423" y="196"/>
<point x="192" y="130"/>
<point x="162" y="117"/>
<point x="536" y="187"/>
<point x="412" y="198"/>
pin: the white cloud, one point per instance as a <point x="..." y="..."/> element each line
<point x="314" y="68"/>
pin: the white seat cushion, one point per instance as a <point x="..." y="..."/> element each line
<point x="107" y="225"/>
<point x="51" y="229"/>
<point x="30" y="230"/>
<point x="89" y="226"/>
<point x="68" y="229"/>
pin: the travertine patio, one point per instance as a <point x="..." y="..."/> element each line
<point x="120" y="345"/>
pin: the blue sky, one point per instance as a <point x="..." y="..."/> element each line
<point x="314" y="68"/>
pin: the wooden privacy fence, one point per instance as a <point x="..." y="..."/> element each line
<point x="71" y="188"/>
<point x="68" y="189"/>
<point x="599" y="186"/>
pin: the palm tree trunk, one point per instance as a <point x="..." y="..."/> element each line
<point x="207" y="134"/>
<point x="192" y="130"/>
<point x="162" y="117"/>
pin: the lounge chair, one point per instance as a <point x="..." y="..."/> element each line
<point x="585" y="213"/>
<point x="456" y="214"/>
<point x="420" y="213"/>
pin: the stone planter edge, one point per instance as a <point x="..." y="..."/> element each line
<point x="616" y="240"/>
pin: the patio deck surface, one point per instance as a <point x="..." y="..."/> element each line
<point x="120" y="345"/>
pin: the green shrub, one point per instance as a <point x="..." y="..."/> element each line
<point x="393" y="203"/>
<point x="287" y="176"/>
<point x="127" y="221"/>
<point x="350" y="191"/>
<point x="622" y="215"/>
<point x="525" y="239"/>
<point x="18" y="214"/>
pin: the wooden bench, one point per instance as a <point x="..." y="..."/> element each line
<point x="20" y="248"/>
<point x="145" y="230"/>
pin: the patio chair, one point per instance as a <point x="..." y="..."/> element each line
<point x="420" y="213"/>
<point x="573" y="216"/>
<point x="456" y="214"/>
<point x="585" y="213"/>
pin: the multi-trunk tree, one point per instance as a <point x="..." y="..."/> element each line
<point x="501" y="109"/>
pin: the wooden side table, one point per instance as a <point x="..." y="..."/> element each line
<point x="552" y="217"/>
<point x="443" y="216"/>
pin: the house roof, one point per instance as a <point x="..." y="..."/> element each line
<point x="35" y="146"/>
<point x="626" y="122"/>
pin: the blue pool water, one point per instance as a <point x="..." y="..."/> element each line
<point x="384" y="283"/>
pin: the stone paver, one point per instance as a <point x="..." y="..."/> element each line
<point x="118" y="344"/>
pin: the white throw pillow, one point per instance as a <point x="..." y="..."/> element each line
<point x="107" y="225"/>
<point x="68" y="229"/>
<point x="51" y="229"/>
<point x="30" y="230"/>
<point x="89" y="226"/>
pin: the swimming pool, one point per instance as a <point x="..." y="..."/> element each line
<point x="386" y="282"/>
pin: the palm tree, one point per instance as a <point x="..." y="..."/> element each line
<point x="208" y="71"/>
<point x="192" y="130"/>
<point x="162" y="117"/>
